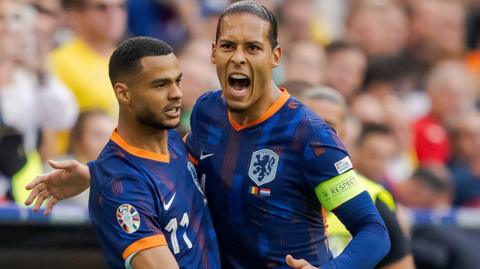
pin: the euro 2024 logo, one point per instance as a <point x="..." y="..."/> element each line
<point x="263" y="166"/>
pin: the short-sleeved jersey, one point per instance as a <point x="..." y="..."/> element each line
<point x="140" y="199"/>
<point x="261" y="179"/>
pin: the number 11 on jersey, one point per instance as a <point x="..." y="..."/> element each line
<point x="172" y="229"/>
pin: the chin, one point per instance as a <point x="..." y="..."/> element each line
<point x="160" y="125"/>
<point x="172" y="124"/>
<point x="237" y="107"/>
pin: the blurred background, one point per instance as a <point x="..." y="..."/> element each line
<point x="409" y="71"/>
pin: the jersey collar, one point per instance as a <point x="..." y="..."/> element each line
<point x="265" y="116"/>
<point x="117" y="139"/>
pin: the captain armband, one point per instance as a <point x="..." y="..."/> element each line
<point x="336" y="191"/>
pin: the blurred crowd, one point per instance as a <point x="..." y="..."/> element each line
<point x="408" y="69"/>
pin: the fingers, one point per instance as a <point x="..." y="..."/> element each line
<point x="62" y="164"/>
<point x="296" y="264"/>
<point x="51" y="203"/>
<point x="37" y="180"/>
<point x="289" y="260"/>
<point x="41" y="197"/>
<point x="37" y="190"/>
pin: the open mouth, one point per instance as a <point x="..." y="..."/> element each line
<point x="173" y="112"/>
<point x="239" y="83"/>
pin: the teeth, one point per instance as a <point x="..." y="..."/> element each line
<point x="238" y="76"/>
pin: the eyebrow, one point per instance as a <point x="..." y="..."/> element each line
<point x="253" y="42"/>
<point x="256" y="43"/>
<point x="162" y="80"/>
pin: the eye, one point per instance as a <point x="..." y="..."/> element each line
<point x="160" y="85"/>
<point x="253" y="48"/>
<point x="178" y="81"/>
<point x="226" y="46"/>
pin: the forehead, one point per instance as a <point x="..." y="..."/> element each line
<point x="243" y="26"/>
<point x="166" y="65"/>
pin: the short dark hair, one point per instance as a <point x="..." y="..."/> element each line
<point x="370" y="128"/>
<point x="73" y="4"/>
<point x="385" y="69"/>
<point x="342" y="45"/>
<point x="125" y="60"/>
<point x="254" y="8"/>
<point x="436" y="177"/>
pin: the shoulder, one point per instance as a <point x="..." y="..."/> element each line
<point x="318" y="128"/>
<point x="209" y="99"/>
<point x="64" y="51"/>
<point x="114" y="163"/>
<point x="208" y="108"/>
<point x="175" y="141"/>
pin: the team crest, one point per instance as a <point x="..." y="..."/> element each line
<point x="128" y="218"/>
<point x="263" y="166"/>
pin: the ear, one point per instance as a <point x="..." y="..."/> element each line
<point x="212" y="55"/>
<point x="277" y="54"/>
<point x="122" y="93"/>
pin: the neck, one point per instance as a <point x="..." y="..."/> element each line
<point x="101" y="46"/>
<point x="259" y="108"/>
<point x="143" y="137"/>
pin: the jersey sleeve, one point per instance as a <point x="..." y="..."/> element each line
<point x="124" y="218"/>
<point x="329" y="170"/>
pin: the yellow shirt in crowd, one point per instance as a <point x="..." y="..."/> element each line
<point x="85" y="73"/>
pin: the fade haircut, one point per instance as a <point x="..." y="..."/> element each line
<point x="125" y="60"/>
<point x="254" y="8"/>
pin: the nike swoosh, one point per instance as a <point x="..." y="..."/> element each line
<point x="205" y="156"/>
<point x="167" y="205"/>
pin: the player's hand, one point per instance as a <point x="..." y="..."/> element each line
<point x="299" y="264"/>
<point x="69" y="178"/>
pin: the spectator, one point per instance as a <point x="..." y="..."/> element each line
<point x="199" y="76"/>
<point x="345" y="68"/>
<point x="82" y="63"/>
<point x="374" y="150"/>
<point x="450" y="89"/>
<point x="31" y="97"/>
<point x="88" y="137"/>
<point x="437" y="30"/>
<point x="296" y="87"/>
<point x="298" y="21"/>
<point x="305" y="61"/>
<point x="379" y="26"/>
<point x="465" y="166"/>
<point x="428" y="188"/>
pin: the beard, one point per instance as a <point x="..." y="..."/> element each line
<point x="148" y="118"/>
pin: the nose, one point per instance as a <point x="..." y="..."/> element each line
<point x="238" y="56"/>
<point x="175" y="92"/>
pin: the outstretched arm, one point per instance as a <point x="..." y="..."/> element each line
<point x="69" y="178"/>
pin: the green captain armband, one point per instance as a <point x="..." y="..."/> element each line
<point x="336" y="191"/>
